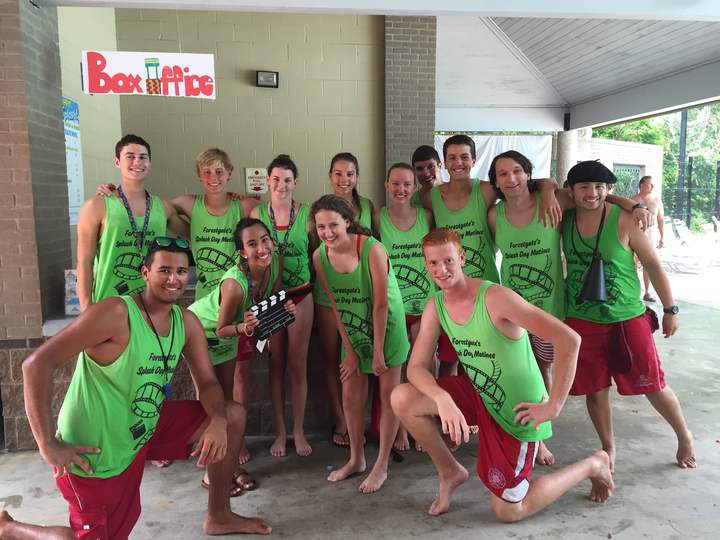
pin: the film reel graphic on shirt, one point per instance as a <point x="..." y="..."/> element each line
<point x="127" y="268"/>
<point x="360" y="333"/>
<point x="487" y="384"/>
<point x="523" y="277"/>
<point x="414" y="286"/>
<point x="148" y="399"/>
<point x="211" y="261"/>
<point x="612" y="291"/>
<point x="292" y="273"/>
<point x="474" y="262"/>
<point x="141" y="434"/>
<point x="219" y="347"/>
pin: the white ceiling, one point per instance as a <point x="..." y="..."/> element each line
<point x="584" y="59"/>
<point x="525" y="73"/>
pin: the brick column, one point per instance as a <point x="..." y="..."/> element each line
<point x="33" y="199"/>
<point x="410" y="44"/>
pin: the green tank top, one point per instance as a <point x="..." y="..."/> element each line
<point x="471" y="224"/>
<point x="407" y="259"/>
<point x="503" y="371"/>
<point x="296" y="258"/>
<point x="213" y="244"/>
<point x="116" y="270"/>
<point x="353" y="296"/>
<point x="364" y="219"/>
<point x="622" y="287"/>
<point x="116" y="407"/>
<point x="531" y="264"/>
<point x="207" y="310"/>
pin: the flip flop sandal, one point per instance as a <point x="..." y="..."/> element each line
<point x="340" y="439"/>
<point x="235" y="490"/>
<point x="243" y="479"/>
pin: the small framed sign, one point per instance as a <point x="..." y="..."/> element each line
<point x="255" y="181"/>
<point x="267" y="79"/>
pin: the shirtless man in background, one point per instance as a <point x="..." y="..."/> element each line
<point x="655" y="206"/>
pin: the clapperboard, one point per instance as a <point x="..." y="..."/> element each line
<point x="272" y="315"/>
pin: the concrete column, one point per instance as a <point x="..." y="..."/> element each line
<point x="567" y="153"/>
<point x="410" y="44"/>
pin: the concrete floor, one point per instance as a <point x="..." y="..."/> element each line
<point x="654" y="498"/>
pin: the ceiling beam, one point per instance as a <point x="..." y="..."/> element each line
<point x="707" y="10"/>
<point x="679" y="91"/>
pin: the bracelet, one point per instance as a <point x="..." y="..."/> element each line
<point x="245" y="330"/>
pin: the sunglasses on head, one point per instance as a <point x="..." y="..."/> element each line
<point x="167" y="241"/>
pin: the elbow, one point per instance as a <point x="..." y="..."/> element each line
<point x="572" y="341"/>
<point x="28" y="365"/>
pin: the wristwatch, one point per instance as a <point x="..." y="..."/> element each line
<point x="640" y="205"/>
<point x="672" y="310"/>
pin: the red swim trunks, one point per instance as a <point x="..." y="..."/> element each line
<point x="623" y="351"/>
<point x="105" y="508"/>
<point x="246" y="346"/>
<point x="446" y="352"/>
<point x="410" y="320"/>
<point x="504" y="464"/>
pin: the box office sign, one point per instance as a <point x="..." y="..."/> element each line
<point x="148" y="73"/>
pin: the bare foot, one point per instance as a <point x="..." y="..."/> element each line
<point x="230" y="523"/>
<point x="373" y="481"/>
<point x="447" y="484"/>
<point x="401" y="444"/>
<point x="418" y="447"/>
<point x="4" y="520"/>
<point x="278" y="447"/>
<point x="244" y="456"/>
<point x="161" y="463"/>
<point x="347" y="470"/>
<point x="686" y="452"/>
<point x="302" y="447"/>
<point x="601" y="477"/>
<point x="544" y="456"/>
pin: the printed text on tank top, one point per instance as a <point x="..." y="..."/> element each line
<point x="166" y="379"/>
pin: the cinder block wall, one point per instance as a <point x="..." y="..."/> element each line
<point x="330" y="97"/>
<point x="410" y="44"/>
<point x="81" y="29"/>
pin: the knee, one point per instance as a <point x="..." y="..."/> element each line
<point x="297" y="370"/>
<point x="507" y="512"/>
<point x="236" y="415"/>
<point x="400" y="398"/>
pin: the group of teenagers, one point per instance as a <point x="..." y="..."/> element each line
<point x="410" y="292"/>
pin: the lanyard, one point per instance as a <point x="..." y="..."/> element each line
<point x="282" y="246"/>
<point x="166" y="381"/>
<point x="597" y="239"/>
<point x="253" y="289"/>
<point x="139" y="236"/>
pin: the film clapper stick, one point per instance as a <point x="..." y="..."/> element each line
<point x="272" y="315"/>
